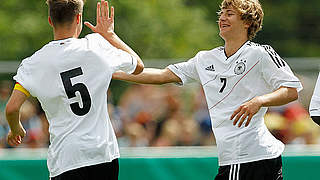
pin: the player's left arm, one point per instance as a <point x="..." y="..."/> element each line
<point x="18" y="97"/>
<point x="105" y="27"/>
<point x="281" y="96"/>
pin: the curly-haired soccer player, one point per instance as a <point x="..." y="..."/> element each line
<point x="240" y="80"/>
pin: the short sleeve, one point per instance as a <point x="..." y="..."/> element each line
<point x="186" y="71"/>
<point x="117" y="59"/>
<point x="314" y="107"/>
<point x="23" y="75"/>
<point x="276" y="71"/>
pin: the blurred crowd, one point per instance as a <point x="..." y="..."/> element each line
<point x="167" y="115"/>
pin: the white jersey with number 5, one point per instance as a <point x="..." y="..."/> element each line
<point x="314" y="108"/>
<point x="70" y="78"/>
<point x="229" y="82"/>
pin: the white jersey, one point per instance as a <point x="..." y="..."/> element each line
<point x="252" y="71"/>
<point x="70" y="78"/>
<point x="314" y="108"/>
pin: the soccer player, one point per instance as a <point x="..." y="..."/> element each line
<point x="70" y="77"/>
<point x="314" y="108"/>
<point x="240" y="80"/>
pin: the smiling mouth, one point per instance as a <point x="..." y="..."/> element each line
<point x="224" y="26"/>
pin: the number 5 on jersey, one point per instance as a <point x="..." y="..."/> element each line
<point x="72" y="89"/>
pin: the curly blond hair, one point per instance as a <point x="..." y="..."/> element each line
<point x="250" y="11"/>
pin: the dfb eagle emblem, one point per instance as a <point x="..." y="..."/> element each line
<point x="240" y="67"/>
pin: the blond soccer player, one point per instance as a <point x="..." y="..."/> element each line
<point x="70" y="77"/>
<point x="240" y="80"/>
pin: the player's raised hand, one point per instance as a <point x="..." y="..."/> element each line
<point x="105" y="22"/>
<point x="15" y="137"/>
<point x="246" y="110"/>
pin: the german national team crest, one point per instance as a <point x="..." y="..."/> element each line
<point x="240" y="67"/>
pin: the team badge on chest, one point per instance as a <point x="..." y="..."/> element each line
<point x="240" y="67"/>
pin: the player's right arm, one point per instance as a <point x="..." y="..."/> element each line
<point x="149" y="76"/>
<point x="182" y="73"/>
<point x="105" y="27"/>
<point x="18" y="97"/>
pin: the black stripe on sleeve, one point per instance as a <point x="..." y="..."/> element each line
<point x="274" y="56"/>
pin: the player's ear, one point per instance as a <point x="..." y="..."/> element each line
<point x="247" y="25"/>
<point x="50" y="21"/>
<point x="79" y="16"/>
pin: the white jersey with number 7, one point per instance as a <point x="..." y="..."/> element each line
<point x="229" y="82"/>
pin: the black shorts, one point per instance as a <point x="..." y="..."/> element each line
<point x="267" y="169"/>
<point x="104" y="171"/>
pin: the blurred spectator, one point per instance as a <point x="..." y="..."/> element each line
<point x="292" y="124"/>
<point x="148" y="115"/>
<point x="201" y="114"/>
<point x="134" y="136"/>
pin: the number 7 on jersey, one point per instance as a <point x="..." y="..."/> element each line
<point x="224" y="83"/>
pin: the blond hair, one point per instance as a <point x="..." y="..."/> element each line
<point x="250" y="11"/>
<point x="64" y="11"/>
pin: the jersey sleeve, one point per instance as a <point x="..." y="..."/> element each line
<point x="117" y="59"/>
<point x="20" y="88"/>
<point x="23" y="76"/>
<point x="314" y="107"/>
<point x="186" y="71"/>
<point x="276" y="71"/>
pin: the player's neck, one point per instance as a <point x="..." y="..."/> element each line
<point x="233" y="45"/>
<point x="64" y="33"/>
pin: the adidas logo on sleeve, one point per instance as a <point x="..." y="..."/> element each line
<point x="210" y="68"/>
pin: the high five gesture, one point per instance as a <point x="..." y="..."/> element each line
<point x="105" y="27"/>
<point x="104" y="21"/>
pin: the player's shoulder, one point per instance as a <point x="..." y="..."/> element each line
<point x="93" y="36"/>
<point x="218" y="51"/>
<point x="261" y="50"/>
<point x="253" y="46"/>
<point x="95" y="40"/>
<point x="35" y="56"/>
<point x="269" y="56"/>
<point x="259" y="47"/>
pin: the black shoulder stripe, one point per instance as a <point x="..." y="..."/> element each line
<point x="175" y="66"/>
<point x="274" y="56"/>
<point x="221" y="48"/>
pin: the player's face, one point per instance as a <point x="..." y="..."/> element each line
<point x="231" y="25"/>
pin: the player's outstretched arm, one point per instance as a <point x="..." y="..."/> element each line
<point x="279" y="97"/>
<point x="16" y="132"/>
<point x="105" y="27"/>
<point x="149" y="76"/>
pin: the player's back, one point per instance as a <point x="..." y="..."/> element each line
<point x="70" y="78"/>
